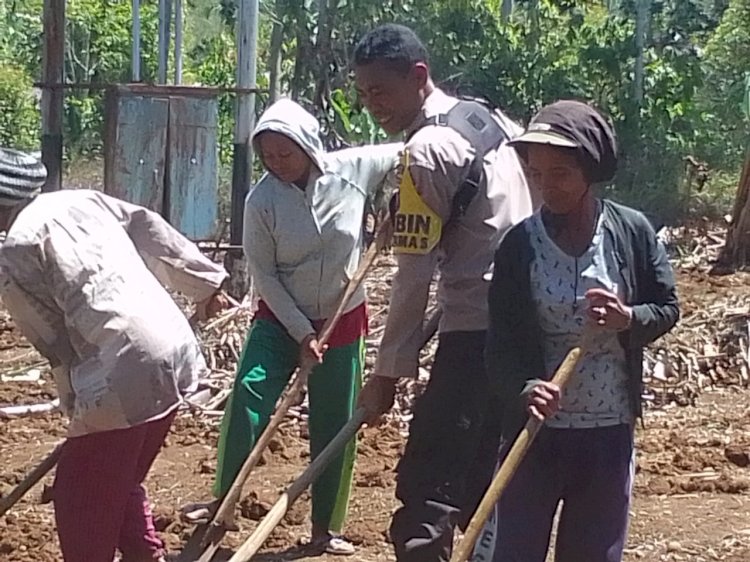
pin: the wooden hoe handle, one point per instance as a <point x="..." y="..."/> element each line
<point x="510" y="465"/>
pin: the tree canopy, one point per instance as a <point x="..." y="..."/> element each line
<point x="670" y="73"/>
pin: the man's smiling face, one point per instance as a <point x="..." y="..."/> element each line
<point x="393" y="96"/>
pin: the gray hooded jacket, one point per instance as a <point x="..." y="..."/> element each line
<point x="303" y="246"/>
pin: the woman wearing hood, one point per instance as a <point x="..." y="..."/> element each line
<point x="303" y="242"/>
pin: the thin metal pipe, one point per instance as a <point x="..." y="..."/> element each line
<point x="178" y="41"/>
<point x="135" y="54"/>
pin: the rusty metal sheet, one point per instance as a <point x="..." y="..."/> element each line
<point x="192" y="167"/>
<point x="135" y="155"/>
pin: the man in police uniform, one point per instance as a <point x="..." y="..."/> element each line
<point x="451" y="449"/>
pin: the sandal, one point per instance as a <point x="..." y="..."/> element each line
<point x="197" y="513"/>
<point x="336" y="545"/>
<point x="203" y="513"/>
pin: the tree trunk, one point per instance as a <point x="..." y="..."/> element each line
<point x="506" y="10"/>
<point x="534" y="15"/>
<point x="323" y="56"/>
<point x="274" y="63"/>
<point x="736" y="252"/>
<point x="641" y="29"/>
<point x="635" y="151"/>
<point x="300" y="63"/>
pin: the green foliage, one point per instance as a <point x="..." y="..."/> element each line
<point x="98" y="50"/>
<point x="213" y="65"/>
<point x="568" y="49"/>
<point x="697" y="54"/>
<point x="98" y="45"/>
<point x="19" y="113"/>
<point x="358" y="126"/>
<point x="716" y="197"/>
<point x="21" y="39"/>
<point x="727" y="60"/>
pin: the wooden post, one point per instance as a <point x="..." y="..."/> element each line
<point x="323" y="53"/>
<point x="53" y="61"/>
<point x="247" y="41"/>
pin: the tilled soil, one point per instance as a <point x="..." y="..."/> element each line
<point x="692" y="488"/>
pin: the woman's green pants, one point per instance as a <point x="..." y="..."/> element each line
<point x="267" y="363"/>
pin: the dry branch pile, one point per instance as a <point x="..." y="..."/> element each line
<point x="222" y="340"/>
<point x="708" y="349"/>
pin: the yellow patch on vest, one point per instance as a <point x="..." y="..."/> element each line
<point x="417" y="228"/>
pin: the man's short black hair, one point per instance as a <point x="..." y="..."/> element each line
<point x="391" y="43"/>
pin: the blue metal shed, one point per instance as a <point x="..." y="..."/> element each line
<point x="161" y="152"/>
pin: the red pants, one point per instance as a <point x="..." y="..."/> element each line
<point x="100" y="504"/>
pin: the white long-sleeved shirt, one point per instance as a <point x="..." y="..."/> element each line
<point x="303" y="246"/>
<point x="81" y="273"/>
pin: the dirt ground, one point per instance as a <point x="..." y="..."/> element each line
<point x="691" y="499"/>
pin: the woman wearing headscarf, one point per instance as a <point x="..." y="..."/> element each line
<point x="581" y="269"/>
